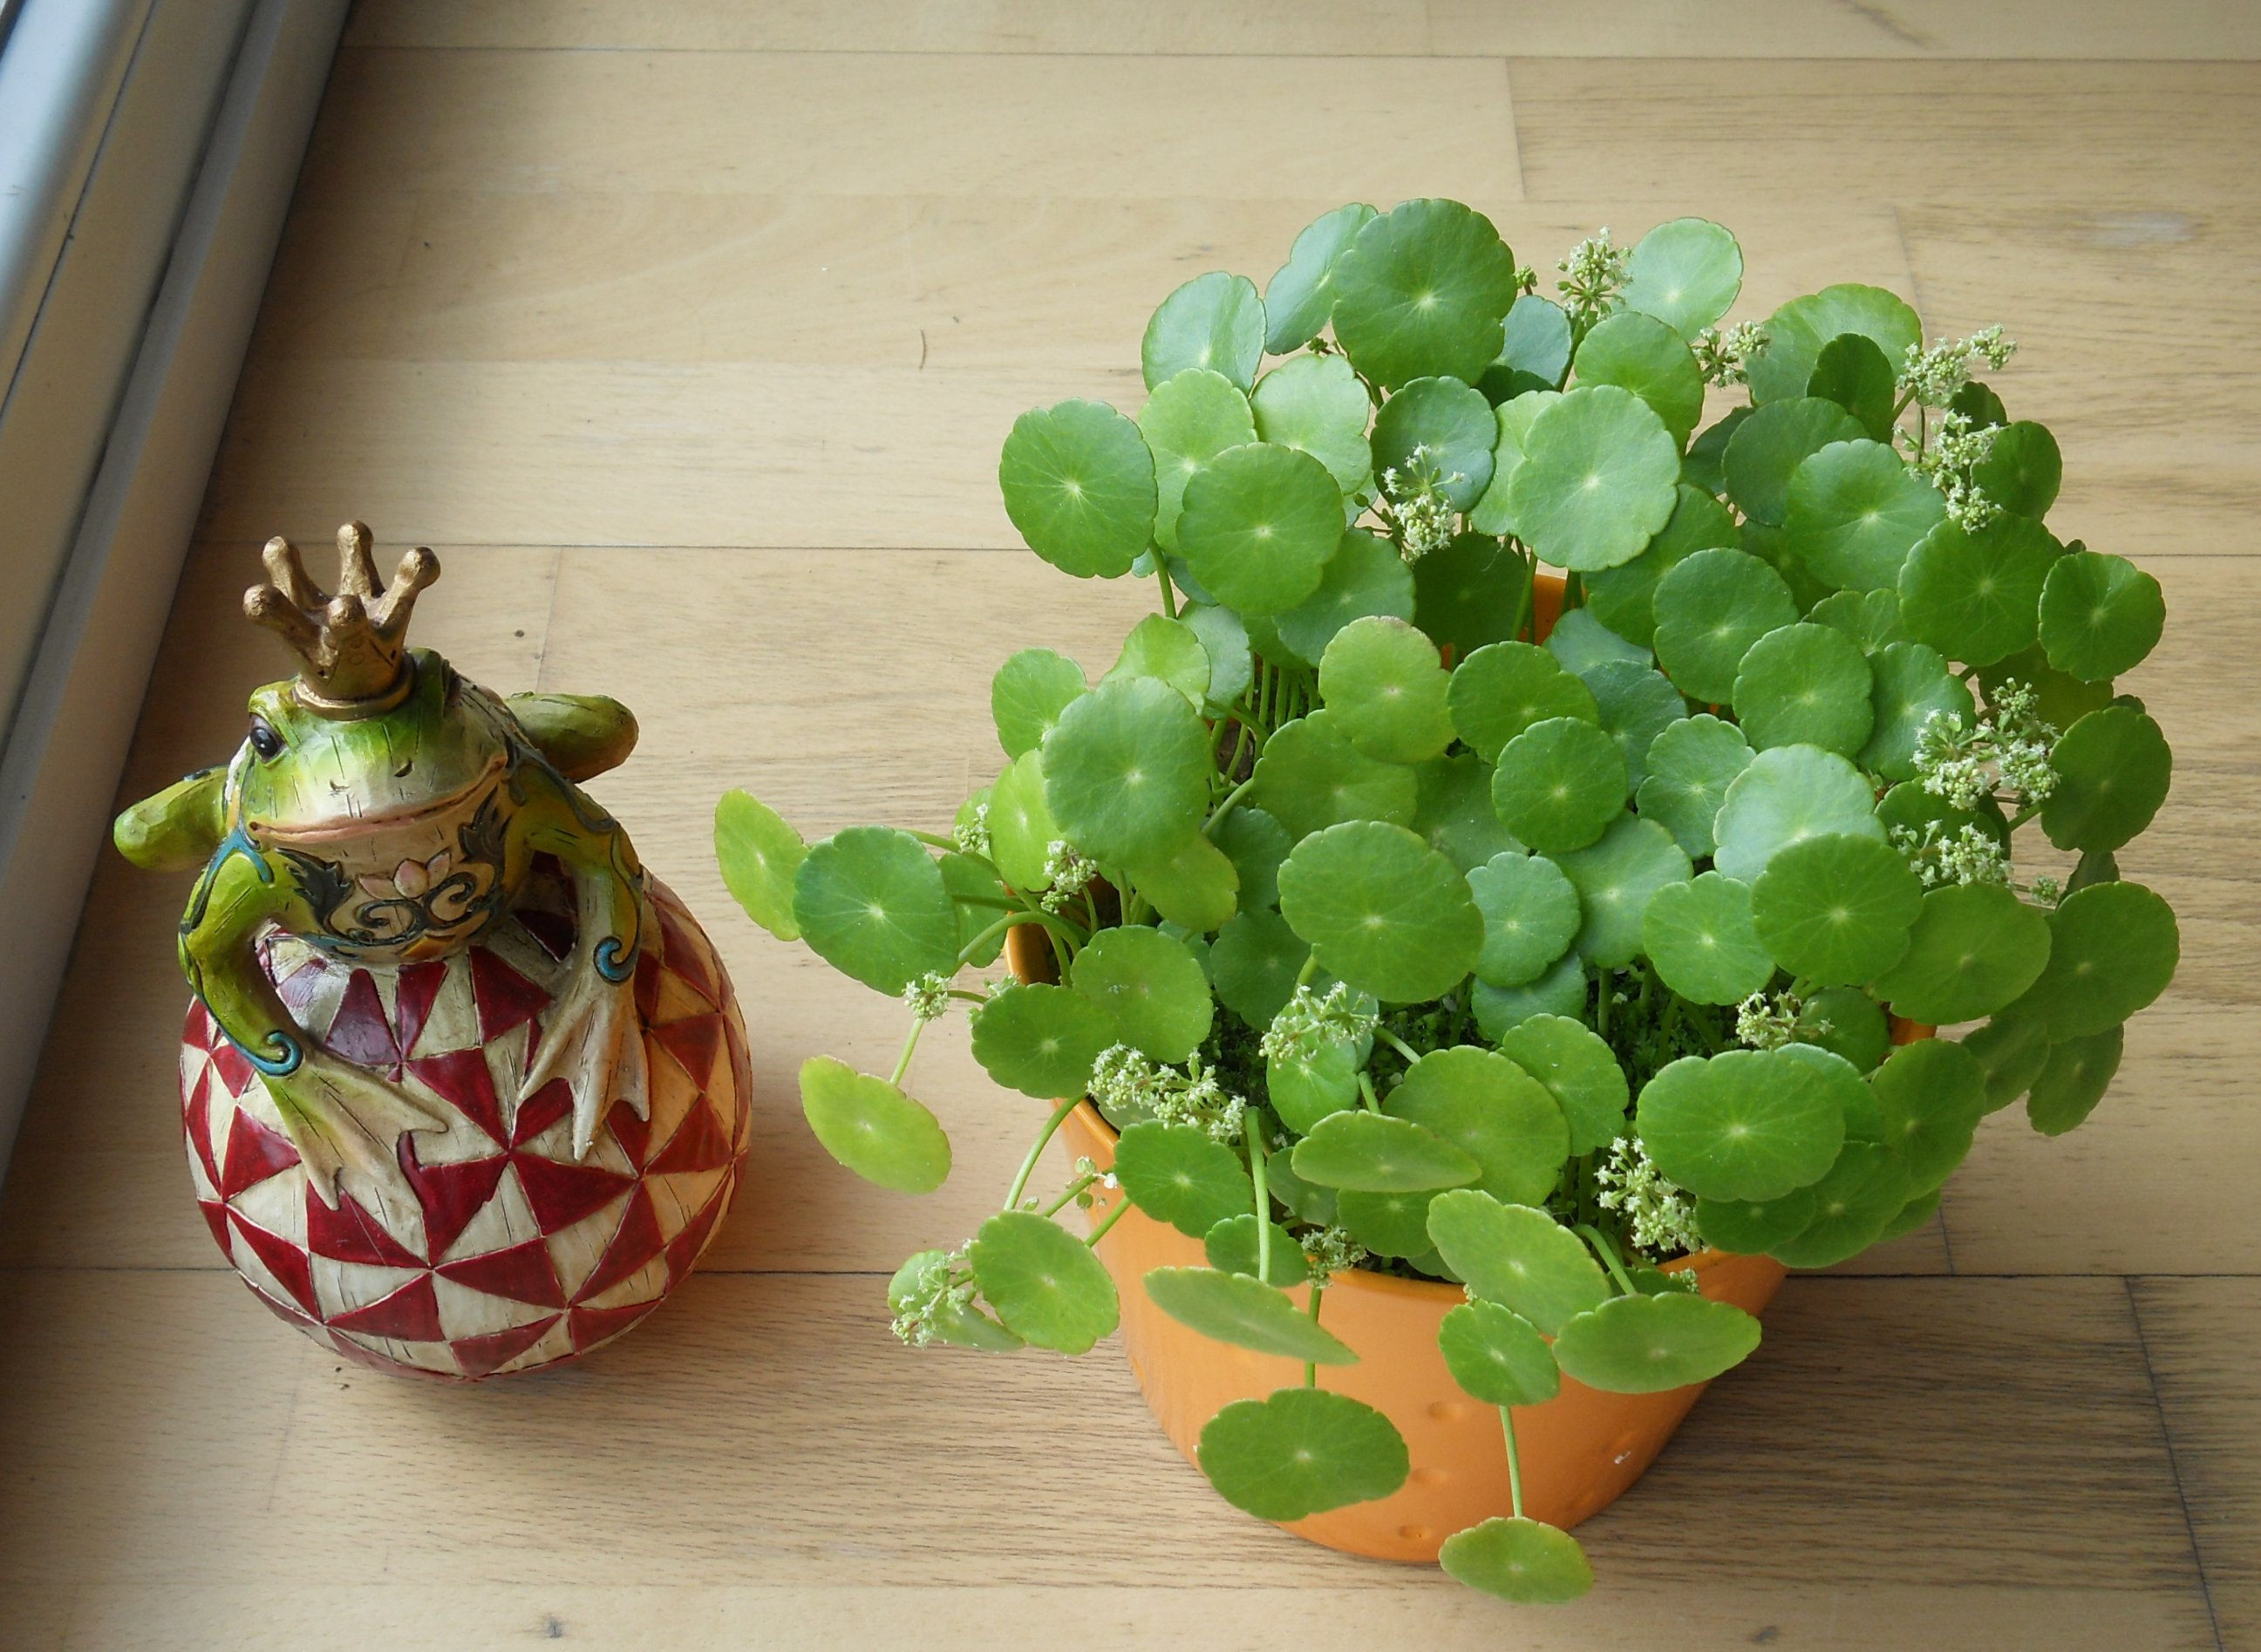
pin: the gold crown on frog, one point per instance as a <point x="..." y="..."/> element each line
<point x="352" y="644"/>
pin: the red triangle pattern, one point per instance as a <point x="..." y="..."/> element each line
<point x="484" y="1355"/>
<point x="540" y="1110"/>
<point x="505" y="998"/>
<point x="296" y="988"/>
<point x="253" y="1154"/>
<point x="698" y="1144"/>
<point x="196" y="1031"/>
<point x="646" y="985"/>
<point x="564" y="1194"/>
<point x="685" y="956"/>
<point x="215" y="1215"/>
<point x="414" y="991"/>
<point x="196" y="1119"/>
<point x="350" y="1234"/>
<point x="360" y="1032"/>
<point x="524" y="1273"/>
<point x="593" y="1326"/>
<point x="461" y="1078"/>
<point x="410" y="1314"/>
<point x="451" y="1194"/>
<point x="683" y="1250"/>
<point x="694" y="1041"/>
<point x="285" y="1260"/>
<point x="633" y="1133"/>
<point x="634" y="1242"/>
<point x="234" y="1068"/>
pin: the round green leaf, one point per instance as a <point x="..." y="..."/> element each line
<point x="1852" y="372"/>
<point x="959" y="1324"/>
<point x="1375" y="1153"/>
<point x="1504" y="688"/>
<point x="1255" y="843"/>
<point x="1578" y="1069"/>
<point x="1647" y="1345"/>
<point x="1126" y="770"/>
<point x="1386" y="687"/>
<point x="1863" y="1191"/>
<point x="1245" y="1312"/>
<point x="1561" y="991"/>
<point x="1231" y="1245"/>
<point x="1043" y="1281"/>
<point x="1194" y="886"/>
<point x="1176" y="1173"/>
<point x="1190" y="419"/>
<point x="1253" y="962"/>
<point x="1366" y="577"/>
<point x="1769" y="446"/>
<point x="1975" y="947"/>
<point x="1027" y="696"/>
<point x="1525" y="1561"/>
<point x="1912" y="683"/>
<point x="1167" y="651"/>
<point x="1640" y="354"/>
<point x="1496" y="1356"/>
<point x="1309" y="778"/>
<point x="1302" y="293"/>
<point x="1308" y="1087"/>
<point x="2022" y="471"/>
<point x="1512" y="421"/>
<point x="1387" y="1224"/>
<point x="2114" y="769"/>
<point x="1301" y="1452"/>
<point x="1214" y="321"/>
<point x="1381" y="910"/>
<point x="1560" y="783"/>
<point x="1685" y="272"/>
<point x="2112" y="947"/>
<point x="1700" y="938"/>
<point x="1517" y="1256"/>
<point x="1931" y="1094"/>
<point x="1454" y="813"/>
<point x="1530" y="917"/>
<point x="1616" y="878"/>
<point x="1624" y="598"/>
<point x="2073" y="1080"/>
<point x="872" y="1128"/>
<point x="1224" y="640"/>
<point x="1752" y="1229"/>
<point x="870" y="903"/>
<point x="1599" y="477"/>
<point x="1041" y="1039"/>
<point x="1690" y="765"/>
<point x="1748" y="1124"/>
<point x="1022" y="830"/>
<point x="1424" y="290"/>
<point x="1501" y="1116"/>
<point x="1976" y="596"/>
<point x="1534" y="350"/>
<point x="1870" y="617"/>
<point x="1847" y="1023"/>
<point x="1314" y="403"/>
<point x="1786" y="796"/>
<point x="1637" y="704"/>
<point x="1855" y="510"/>
<point x="1836" y="909"/>
<point x="1450" y="424"/>
<point x="1796" y="332"/>
<point x="760" y="856"/>
<point x="1152" y="987"/>
<point x="1582" y="643"/>
<point x="973" y="889"/>
<point x="1472" y="592"/>
<point x="1702" y="466"/>
<point x="1710" y="609"/>
<point x="1259" y="525"/>
<point x="2100" y="615"/>
<point x="1079" y="486"/>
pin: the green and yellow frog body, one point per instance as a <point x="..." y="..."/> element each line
<point x="386" y="811"/>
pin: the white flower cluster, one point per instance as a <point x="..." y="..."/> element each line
<point x="1770" y="1023"/>
<point x="1661" y="1216"/>
<point x="972" y="836"/>
<point x="1592" y="276"/>
<point x="2008" y="751"/>
<point x="1933" y="376"/>
<point x="1725" y="357"/>
<point x="928" y="996"/>
<point x="1969" y="855"/>
<point x="1085" y="1167"/>
<point x="1950" y="463"/>
<point x="1068" y="872"/>
<point x="1417" y="501"/>
<point x="1308" y="1023"/>
<point x="944" y="1284"/>
<point x="1329" y="1252"/>
<point x="1126" y="1085"/>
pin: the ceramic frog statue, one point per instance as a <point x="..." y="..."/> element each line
<point x="386" y="811"/>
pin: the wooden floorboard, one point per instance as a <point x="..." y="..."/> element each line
<point x="688" y="334"/>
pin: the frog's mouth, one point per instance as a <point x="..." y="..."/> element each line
<point x="337" y="829"/>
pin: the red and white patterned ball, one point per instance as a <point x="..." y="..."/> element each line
<point x="511" y="1256"/>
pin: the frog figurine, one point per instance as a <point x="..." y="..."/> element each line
<point x="465" y="1091"/>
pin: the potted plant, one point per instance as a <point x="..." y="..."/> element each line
<point x="1466" y="987"/>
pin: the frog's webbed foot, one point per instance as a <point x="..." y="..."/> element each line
<point x="347" y="1123"/>
<point x="593" y="1039"/>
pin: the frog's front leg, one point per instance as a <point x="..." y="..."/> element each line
<point x="593" y="1037"/>
<point x="345" y="1121"/>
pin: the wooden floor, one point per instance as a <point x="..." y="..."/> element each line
<point x="687" y="332"/>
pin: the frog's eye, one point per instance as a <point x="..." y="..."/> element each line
<point x="265" y="741"/>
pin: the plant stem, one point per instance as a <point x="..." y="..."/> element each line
<point x="1527" y="598"/>
<point x="1029" y="1164"/>
<point x="1605" y="986"/>
<point x="1397" y="1044"/>
<point x="1255" y="1132"/>
<point x="1074" y="1188"/>
<point x="1608" y="1252"/>
<point x="1310" y="967"/>
<point x="903" y="1061"/>
<point x="1028" y="915"/>
<point x="1311" y="1310"/>
<point x="1162" y="578"/>
<point x="1231" y="800"/>
<point x="1107" y="1221"/>
<point x="971" y="997"/>
<point x="1366" y="1088"/>
<point x="1514" y="1464"/>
